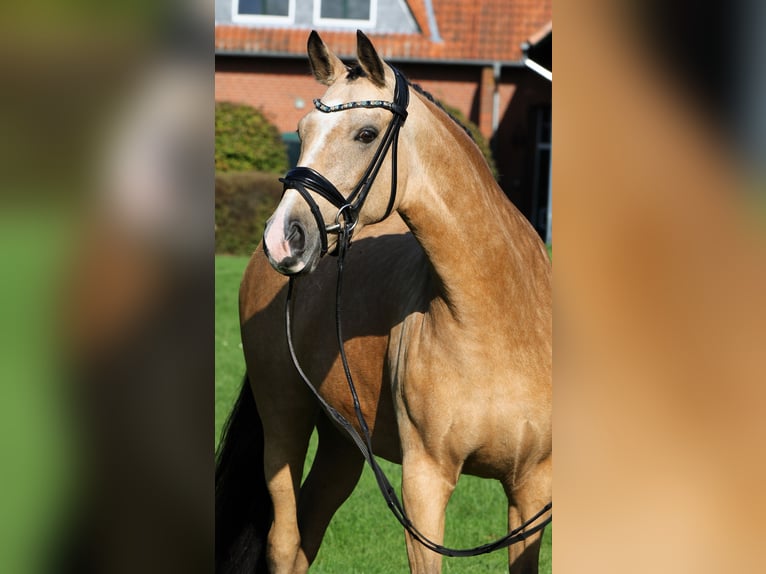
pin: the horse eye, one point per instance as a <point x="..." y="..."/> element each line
<point x="366" y="135"/>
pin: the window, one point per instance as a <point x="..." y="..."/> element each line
<point x="345" y="12"/>
<point x="263" y="10"/>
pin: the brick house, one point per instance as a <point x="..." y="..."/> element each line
<point x="488" y="58"/>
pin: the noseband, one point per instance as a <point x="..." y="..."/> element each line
<point x="305" y="179"/>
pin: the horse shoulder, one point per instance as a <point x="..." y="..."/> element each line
<point x="259" y="287"/>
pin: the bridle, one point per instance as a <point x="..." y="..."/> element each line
<point x="304" y="179"/>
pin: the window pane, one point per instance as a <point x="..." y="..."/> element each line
<point x="348" y="9"/>
<point x="264" y="7"/>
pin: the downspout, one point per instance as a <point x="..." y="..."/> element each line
<point x="435" y="36"/>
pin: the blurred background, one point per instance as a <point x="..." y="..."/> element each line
<point x="107" y="290"/>
<point x="659" y="282"/>
<point x="106" y="336"/>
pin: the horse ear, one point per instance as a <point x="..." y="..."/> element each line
<point x="369" y="60"/>
<point x="326" y="66"/>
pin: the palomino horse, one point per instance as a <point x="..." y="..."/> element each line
<point x="446" y="317"/>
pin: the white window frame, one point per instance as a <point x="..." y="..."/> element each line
<point x="262" y="18"/>
<point x="345" y="22"/>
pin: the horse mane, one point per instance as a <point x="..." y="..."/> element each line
<point x="356" y="71"/>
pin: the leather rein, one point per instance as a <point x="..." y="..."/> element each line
<point x="303" y="179"/>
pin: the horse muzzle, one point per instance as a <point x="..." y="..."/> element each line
<point x="291" y="245"/>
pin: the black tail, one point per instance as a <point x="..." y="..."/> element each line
<point x="243" y="508"/>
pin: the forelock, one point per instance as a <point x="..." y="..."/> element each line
<point x="355" y="72"/>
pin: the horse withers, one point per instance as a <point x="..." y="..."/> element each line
<point x="446" y="319"/>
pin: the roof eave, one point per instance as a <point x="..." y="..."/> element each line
<point x="403" y="59"/>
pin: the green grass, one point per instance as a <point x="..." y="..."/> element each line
<point x="364" y="537"/>
<point x="229" y="360"/>
<point x="40" y="451"/>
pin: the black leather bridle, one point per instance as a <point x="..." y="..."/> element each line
<point x="305" y="179"/>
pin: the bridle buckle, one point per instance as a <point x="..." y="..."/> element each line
<point x="350" y="220"/>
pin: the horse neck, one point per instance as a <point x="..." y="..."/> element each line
<point x="481" y="249"/>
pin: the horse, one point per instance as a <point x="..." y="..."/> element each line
<point x="446" y="318"/>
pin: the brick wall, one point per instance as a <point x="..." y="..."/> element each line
<point x="284" y="87"/>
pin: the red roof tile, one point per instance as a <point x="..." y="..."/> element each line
<point x="484" y="30"/>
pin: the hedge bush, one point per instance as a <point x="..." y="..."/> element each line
<point x="246" y="141"/>
<point x="243" y="203"/>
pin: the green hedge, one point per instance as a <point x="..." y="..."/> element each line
<point x="246" y="141"/>
<point x="243" y="203"/>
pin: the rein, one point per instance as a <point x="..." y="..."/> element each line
<point x="348" y="209"/>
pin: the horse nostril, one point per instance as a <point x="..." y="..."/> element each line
<point x="296" y="237"/>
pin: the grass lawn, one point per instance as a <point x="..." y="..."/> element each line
<point x="364" y="537"/>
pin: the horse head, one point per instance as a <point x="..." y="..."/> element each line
<point x="347" y="171"/>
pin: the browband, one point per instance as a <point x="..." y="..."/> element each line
<point x="391" y="106"/>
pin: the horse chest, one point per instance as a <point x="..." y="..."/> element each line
<point x="445" y="371"/>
